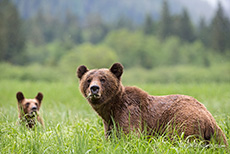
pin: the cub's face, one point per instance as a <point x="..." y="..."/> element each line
<point x="29" y="107"/>
<point x="99" y="85"/>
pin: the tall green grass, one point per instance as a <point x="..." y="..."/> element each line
<point x="71" y="125"/>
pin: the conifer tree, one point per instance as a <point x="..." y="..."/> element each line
<point x="185" y="26"/>
<point x="11" y="36"/>
<point x="203" y="32"/>
<point x="148" y="25"/>
<point x="165" y="26"/>
<point x="220" y="30"/>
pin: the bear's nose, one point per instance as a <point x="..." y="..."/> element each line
<point x="34" y="108"/>
<point x="94" y="89"/>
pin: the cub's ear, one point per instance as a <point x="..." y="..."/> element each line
<point x="39" y="97"/>
<point x="81" y="70"/>
<point x="20" y="96"/>
<point x="117" y="70"/>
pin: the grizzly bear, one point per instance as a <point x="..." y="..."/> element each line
<point x="130" y="108"/>
<point x="28" y="110"/>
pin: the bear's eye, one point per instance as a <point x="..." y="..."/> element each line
<point x="27" y="104"/>
<point x="102" y="80"/>
<point x="88" y="80"/>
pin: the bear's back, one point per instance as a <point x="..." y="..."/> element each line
<point x="185" y="114"/>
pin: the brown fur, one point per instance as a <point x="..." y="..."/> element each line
<point x="132" y="108"/>
<point x="28" y="109"/>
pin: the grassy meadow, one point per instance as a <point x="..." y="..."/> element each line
<point x="71" y="125"/>
<point x="163" y="51"/>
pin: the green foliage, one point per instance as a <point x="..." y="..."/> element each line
<point x="179" y="74"/>
<point x="175" y="25"/>
<point x="220" y="31"/>
<point x="148" y="26"/>
<point x="48" y="54"/>
<point x="33" y="72"/>
<point x="123" y="22"/>
<point x="170" y="40"/>
<point x="96" y="29"/>
<point x="127" y="45"/>
<point x="203" y="32"/>
<point x="165" y="23"/>
<point x="12" y="37"/>
<point x="66" y="71"/>
<point x="48" y="29"/>
<point x="93" y="56"/>
<point x="185" y="28"/>
<point x="73" y="127"/>
<point x="136" y="49"/>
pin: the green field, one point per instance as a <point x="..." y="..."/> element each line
<point x="73" y="127"/>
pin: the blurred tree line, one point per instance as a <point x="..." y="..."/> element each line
<point x="12" y="37"/>
<point x="69" y="42"/>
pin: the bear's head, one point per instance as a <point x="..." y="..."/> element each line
<point x="29" y="107"/>
<point x="100" y="85"/>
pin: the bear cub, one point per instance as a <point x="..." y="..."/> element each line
<point x="28" y="109"/>
<point x="131" y="109"/>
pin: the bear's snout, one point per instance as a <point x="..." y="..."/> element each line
<point x="34" y="108"/>
<point x="94" y="94"/>
<point x="33" y="111"/>
<point x="94" y="89"/>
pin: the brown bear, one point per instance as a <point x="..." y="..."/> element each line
<point x="131" y="108"/>
<point x="28" y="110"/>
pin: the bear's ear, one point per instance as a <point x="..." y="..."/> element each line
<point x="20" y="96"/>
<point x="39" y="97"/>
<point x="81" y="70"/>
<point x="117" y="70"/>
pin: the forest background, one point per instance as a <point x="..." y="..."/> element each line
<point x="160" y="41"/>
